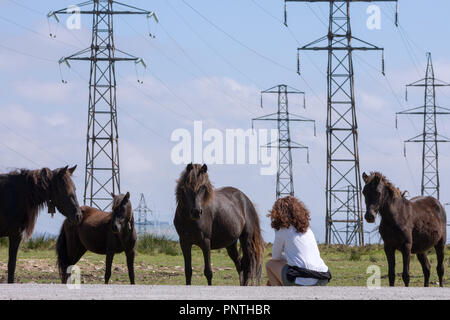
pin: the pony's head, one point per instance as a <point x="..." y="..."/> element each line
<point x="194" y="190"/>
<point x="62" y="192"/>
<point x="376" y="191"/>
<point x="122" y="213"/>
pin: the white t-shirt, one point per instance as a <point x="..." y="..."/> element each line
<point x="300" y="249"/>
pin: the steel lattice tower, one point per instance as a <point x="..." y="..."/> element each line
<point x="142" y="211"/>
<point x="343" y="182"/>
<point x="102" y="172"/>
<point x="430" y="136"/>
<point x="285" y="182"/>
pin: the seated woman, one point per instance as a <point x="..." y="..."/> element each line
<point x="301" y="263"/>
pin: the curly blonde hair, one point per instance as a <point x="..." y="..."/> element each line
<point x="289" y="211"/>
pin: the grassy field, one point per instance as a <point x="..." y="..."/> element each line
<point x="159" y="261"/>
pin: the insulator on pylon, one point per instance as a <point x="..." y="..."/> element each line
<point x="396" y="14"/>
<point x="285" y="14"/>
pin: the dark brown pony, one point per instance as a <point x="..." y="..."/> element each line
<point x="411" y="226"/>
<point x="217" y="218"/>
<point x="23" y="193"/>
<point x="100" y="232"/>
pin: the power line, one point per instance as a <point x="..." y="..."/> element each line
<point x="35" y="32"/>
<point x="217" y="52"/>
<point x="182" y="67"/>
<point x="47" y="153"/>
<point x="20" y="154"/>
<point x="262" y="56"/>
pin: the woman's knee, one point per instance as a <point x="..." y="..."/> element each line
<point x="275" y="265"/>
<point x="270" y="264"/>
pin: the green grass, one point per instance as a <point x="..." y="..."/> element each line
<point x="151" y="244"/>
<point x="159" y="261"/>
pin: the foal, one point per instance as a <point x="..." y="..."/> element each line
<point x="102" y="233"/>
<point x="411" y="226"/>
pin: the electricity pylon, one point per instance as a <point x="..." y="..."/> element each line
<point x="102" y="171"/>
<point x="142" y="212"/>
<point x="285" y="181"/>
<point x="343" y="174"/>
<point x="430" y="138"/>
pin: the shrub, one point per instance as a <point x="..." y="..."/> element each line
<point x="40" y="242"/>
<point x="355" y="255"/>
<point x="151" y="244"/>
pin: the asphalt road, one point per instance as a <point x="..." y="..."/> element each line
<point x="146" y="292"/>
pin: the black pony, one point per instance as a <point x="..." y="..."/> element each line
<point x="214" y="219"/>
<point x="23" y="193"/>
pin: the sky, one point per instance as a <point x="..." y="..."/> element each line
<point x="208" y="62"/>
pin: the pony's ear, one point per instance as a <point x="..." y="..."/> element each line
<point x="365" y="177"/>
<point x="126" y="198"/>
<point x="62" y="171"/>
<point x="112" y="194"/>
<point x="71" y="170"/>
<point x="204" y="169"/>
<point x="189" y="167"/>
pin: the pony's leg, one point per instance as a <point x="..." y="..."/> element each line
<point x="186" y="248"/>
<point x="390" y="255"/>
<point x="73" y="257"/>
<point x="422" y="257"/>
<point x="109" y="260"/>
<point x="130" y="263"/>
<point x="73" y="249"/>
<point x="440" y="249"/>
<point x="206" y="248"/>
<point x="406" y="253"/>
<point x="245" y="260"/>
<point x="234" y="255"/>
<point x="14" y="242"/>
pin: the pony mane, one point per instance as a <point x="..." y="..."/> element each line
<point x="34" y="187"/>
<point x="194" y="179"/>
<point x="388" y="184"/>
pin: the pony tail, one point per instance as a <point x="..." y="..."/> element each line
<point x="61" y="252"/>
<point x="258" y="245"/>
<point x="255" y="250"/>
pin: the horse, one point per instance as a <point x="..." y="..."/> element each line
<point x="105" y="233"/>
<point x="23" y="193"/>
<point x="411" y="226"/>
<point x="217" y="218"/>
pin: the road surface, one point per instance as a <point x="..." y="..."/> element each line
<point x="139" y="292"/>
